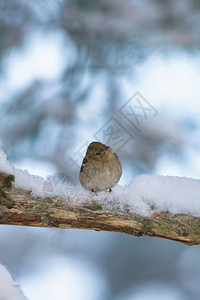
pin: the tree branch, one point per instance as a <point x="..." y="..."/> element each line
<point x="19" y="207"/>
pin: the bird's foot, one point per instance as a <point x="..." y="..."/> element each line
<point x="93" y="191"/>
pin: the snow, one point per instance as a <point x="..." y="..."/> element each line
<point x="28" y="182"/>
<point x="8" y="291"/>
<point x="5" y="166"/>
<point x="145" y="195"/>
<point x="166" y="193"/>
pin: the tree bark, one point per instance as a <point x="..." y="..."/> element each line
<point x="19" y="207"/>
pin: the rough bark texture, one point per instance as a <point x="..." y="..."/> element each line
<point x="19" y="207"/>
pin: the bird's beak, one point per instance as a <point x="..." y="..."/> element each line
<point x="106" y="148"/>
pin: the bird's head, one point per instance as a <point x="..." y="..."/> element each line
<point x="98" y="150"/>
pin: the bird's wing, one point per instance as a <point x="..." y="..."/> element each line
<point x="83" y="164"/>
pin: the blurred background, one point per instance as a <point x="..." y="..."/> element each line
<point x="125" y="73"/>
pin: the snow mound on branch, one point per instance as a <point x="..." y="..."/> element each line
<point x="166" y="193"/>
<point x="51" y="187"/>
<point x="145" y="195"/>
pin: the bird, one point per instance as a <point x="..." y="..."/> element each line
<point x="100" y="169"/>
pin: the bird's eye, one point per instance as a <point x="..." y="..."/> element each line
<point x="98" y="153"/>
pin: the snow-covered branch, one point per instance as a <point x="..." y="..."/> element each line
<point x="157" y="206"/>
<point x="29" y="210"/>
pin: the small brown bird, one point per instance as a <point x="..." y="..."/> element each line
<point x="100" y="169"/>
